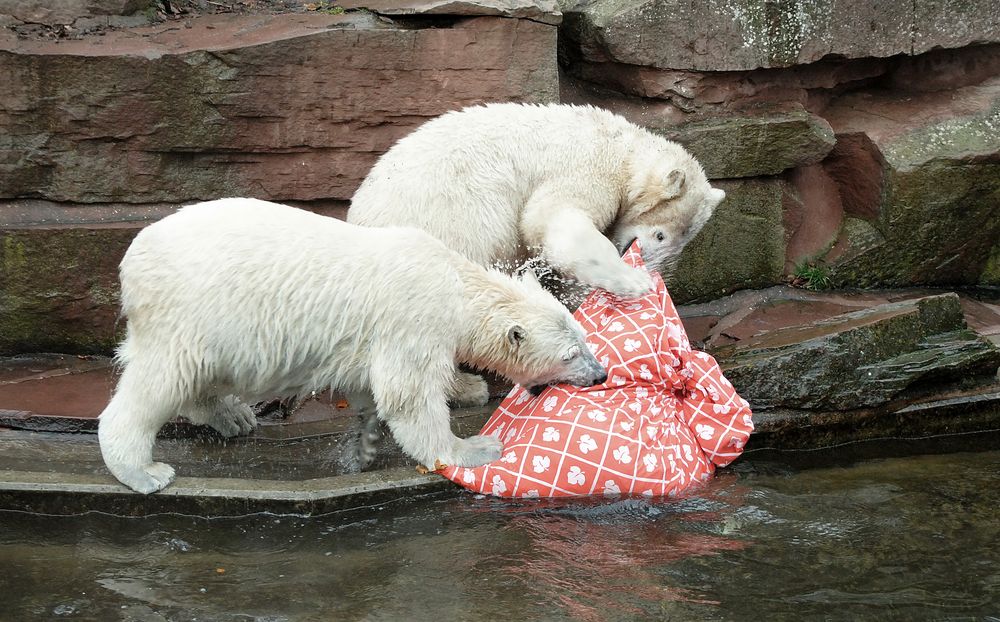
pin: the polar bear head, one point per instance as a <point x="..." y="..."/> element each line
<point x="522" y="332"/>
<point x="667" y="202"/>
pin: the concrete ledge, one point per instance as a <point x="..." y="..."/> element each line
<point x="71" y="493"/>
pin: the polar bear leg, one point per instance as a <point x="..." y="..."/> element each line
<point x="574" y="246"/>
<point x="227" y="415"/>
<point x="127" y="429"/>
<point x="364" y="405"/>
<point x="468" y="390"/>
<point x="418" y="415"/>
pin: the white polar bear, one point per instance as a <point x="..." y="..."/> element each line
<point x="240" y="297"/>
<point x="498" y="182"/>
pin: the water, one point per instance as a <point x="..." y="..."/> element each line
<point x="906" y="538"/>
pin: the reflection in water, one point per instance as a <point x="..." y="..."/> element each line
<point x="902" y="538"/>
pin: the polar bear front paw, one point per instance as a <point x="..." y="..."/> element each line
<point x="476" y="451"/>
<point x="634" y="283"/>
<point x="146" y="479"/>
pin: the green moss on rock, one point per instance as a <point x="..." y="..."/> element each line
<point x="741" y="247"/>
<point x="59" y="289"/>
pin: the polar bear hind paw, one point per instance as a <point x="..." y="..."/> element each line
<point x="233" y="418"/>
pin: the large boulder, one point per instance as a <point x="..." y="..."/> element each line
<point x="861" y="359"/>
<point x="742" y="246"/>
<point x="919" y="178"/>
<point x="764" y="140"/>
<point x="735" y="35"/>
<point x="272" y="106"/>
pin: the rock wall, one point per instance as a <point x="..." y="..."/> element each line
<point x="862" y="138"/>
<point x="879" y="123"/>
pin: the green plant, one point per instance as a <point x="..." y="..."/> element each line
<point x="812" y="276"/>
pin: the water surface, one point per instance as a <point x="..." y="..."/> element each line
<point x="906" y="538"/>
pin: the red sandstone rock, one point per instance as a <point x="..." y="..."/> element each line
<point x="812" y="215"/>
<point x="277" y="107"/>
<point x="55" y="12"/>
<point x="919" y="175"/>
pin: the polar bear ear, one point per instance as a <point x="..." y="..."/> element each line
<point x="673" y="185"/>
<point x="515" y="335"/>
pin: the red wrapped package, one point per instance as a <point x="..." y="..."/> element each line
<point x="662" y="422"/>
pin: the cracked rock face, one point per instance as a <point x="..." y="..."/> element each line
<point x="736" y="35"/>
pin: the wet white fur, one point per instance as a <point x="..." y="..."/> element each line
<point x="497" y="182"/>
<point x="240" y="298"/>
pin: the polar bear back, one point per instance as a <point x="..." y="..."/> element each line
<point x="241" y="284"/>
<point x="465" y="176"/>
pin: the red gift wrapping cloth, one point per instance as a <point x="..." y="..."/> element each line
<point x="665" y="418"/>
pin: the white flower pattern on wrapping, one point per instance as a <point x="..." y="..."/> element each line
<point x="611" y="487"/>
<point x="510" y="457"/>
<point x="631" y="345"/>
<point x="598" y="416"/>
<point x="622" y="454"/>
<point x="649" y="460"/>
<point x="706" y="432"/>
<point x="499" y="486"/>
<point x="616" y="327"/>
<point x="644" y="372"/>
<point x="540" y="464"/>
<point x="550" y="435"/>
<point x="575" y="476"/>
<point x="587" y="444"/>
<point x="469" y="477"/>
<point x="531" y="494"/>
<point x="550" y="403"/>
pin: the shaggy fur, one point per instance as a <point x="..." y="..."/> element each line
<point x="500" y="182"/>
<point x="246" y="298"/>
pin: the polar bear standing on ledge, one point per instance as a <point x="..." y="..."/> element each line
<point x="247" y="298"/>
<point x="498" y="182"/>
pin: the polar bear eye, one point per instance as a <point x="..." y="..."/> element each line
<point x="571" y="354"/>
<point x="659" y="236"/>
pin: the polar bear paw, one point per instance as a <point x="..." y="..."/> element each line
<point x="475" y="451"/>
<point x="232" y="418"/>
<point x="634" y="283"/>
<point x="469" y="390"/>
<point x="145" y="479"/>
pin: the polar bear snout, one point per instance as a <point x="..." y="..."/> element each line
<point x="587" y="371"/>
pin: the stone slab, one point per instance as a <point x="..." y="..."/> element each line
<point x="735" y="35"/>
<point x="293" y="106"/>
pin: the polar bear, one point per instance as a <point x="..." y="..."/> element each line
<point x="240" y="298"/>
<point x="501" y="182"/>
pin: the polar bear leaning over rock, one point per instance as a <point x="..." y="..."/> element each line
<point x="498" y="182"/>
<point x="240" y="298"/>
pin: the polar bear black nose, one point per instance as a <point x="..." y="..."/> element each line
<point x="602" y="379"/>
